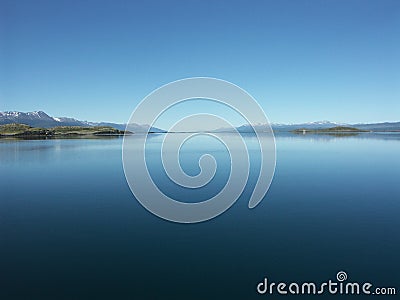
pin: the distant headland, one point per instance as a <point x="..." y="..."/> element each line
<point x="23" y="130"/>
<point x="336" y="129"/>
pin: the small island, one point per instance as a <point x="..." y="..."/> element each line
<point x="22" y="130"/>
<point x="331" y="130"/>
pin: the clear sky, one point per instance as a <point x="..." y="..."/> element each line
<point x="303" y="61"/>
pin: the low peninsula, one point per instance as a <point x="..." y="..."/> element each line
<point x="331" y="130"/>
<point x="22" y="130"/>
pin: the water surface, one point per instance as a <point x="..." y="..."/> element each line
<point x="70" y="227"/>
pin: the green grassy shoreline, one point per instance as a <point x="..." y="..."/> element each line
<point x="337" y="129"/>
<point x="22" y="130"/>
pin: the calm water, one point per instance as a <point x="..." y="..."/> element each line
<point x="71" y="229"/>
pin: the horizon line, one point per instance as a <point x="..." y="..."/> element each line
<point x="244" y="124"/>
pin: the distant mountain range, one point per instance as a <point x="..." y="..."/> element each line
<point x="41" y="119"/>
<point x="384" y="126"/>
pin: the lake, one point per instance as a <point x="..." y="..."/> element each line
<point x="70" y="227"/>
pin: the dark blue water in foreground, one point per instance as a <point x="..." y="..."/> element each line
<point x="70" y="227"/>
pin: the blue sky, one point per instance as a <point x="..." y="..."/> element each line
<point x="302" y="60"/>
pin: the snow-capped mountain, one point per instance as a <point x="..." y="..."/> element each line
<point x="386" y="126"/>
<point x="41" y="119"/>
<point x="289" y="127"/>
<point x="308" y="125"/>
<point x="34" y="119"/>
